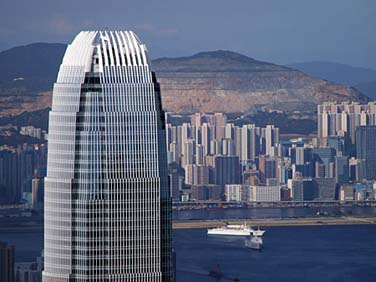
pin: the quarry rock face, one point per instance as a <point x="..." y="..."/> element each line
<point x="206" y="82"/>
<point x="229" y="82"/>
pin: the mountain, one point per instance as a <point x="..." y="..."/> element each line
<point x="208" y="81"/>
<point x="231" y="82"/>
<point x="363" y="79"/>
<point x="368" y="88"/>
<point x="335" y="72"/>
<point x="27" y="74"/>
<point x="32" y="67"/>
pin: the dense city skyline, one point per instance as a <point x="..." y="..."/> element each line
<point x="221" y="159"/>
<point x="280" y="32"/>
<point x="231" y="139"/>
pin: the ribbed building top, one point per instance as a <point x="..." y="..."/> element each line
<point x="106" y="49"/>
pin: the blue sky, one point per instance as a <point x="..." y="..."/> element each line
<point x="280" y="31"/>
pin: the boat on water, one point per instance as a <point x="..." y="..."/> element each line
<point x="236" y="230"/>
<point x="254" y="242"/>
<point x="216" y="272"/>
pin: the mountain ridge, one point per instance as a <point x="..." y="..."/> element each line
<point x="336" y="72"/>
<point x="224" y="60"/>
<point x="367" y="88"/>
<point x="216" y="83"/>
<point x="218" y="80"/>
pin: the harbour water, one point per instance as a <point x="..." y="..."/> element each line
<point x="290" y="254"/>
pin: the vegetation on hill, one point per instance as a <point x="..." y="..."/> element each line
<point x="286" y="124"/>
<point x="38" y="119"/>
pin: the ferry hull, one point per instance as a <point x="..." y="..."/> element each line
<point x="236" y="230"/>
<point x="254" y="243"/>
<point x="229" y="233"/>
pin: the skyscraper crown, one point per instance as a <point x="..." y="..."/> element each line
<point x="106" y="49"/>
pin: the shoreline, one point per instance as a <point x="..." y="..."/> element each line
<point x="304" y="221"/>
<point x="192" y="224"/>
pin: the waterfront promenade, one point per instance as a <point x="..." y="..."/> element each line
<point x="307" y="221"/>
<point x="198" y="205"/>
<point x="187" y="224"/>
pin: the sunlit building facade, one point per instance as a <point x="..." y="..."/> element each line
<point x="107" y="199"/>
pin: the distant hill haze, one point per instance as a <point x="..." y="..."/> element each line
<point x="363" y="79"/>
<point x="208" y="81"/>
<point x="368" y="88"/>
<point x="335" y="72"/>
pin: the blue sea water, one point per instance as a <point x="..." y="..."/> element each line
<point x="291" y="254"/>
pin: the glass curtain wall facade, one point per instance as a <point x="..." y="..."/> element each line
<point x="107" y="199"/>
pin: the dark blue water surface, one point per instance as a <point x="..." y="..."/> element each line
<point x="291" y="254"/>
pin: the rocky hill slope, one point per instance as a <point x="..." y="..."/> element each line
<point x="230" y="82"/>
<point x="208" y="81"/>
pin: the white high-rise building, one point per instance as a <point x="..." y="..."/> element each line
<point x="271" y="139"/>
<point x="250" y="142"/>
<point x="205" y="138"/>
<point x="188" y="154"/>
<point x="230" y="131"/>
<point x="342" y="118"/>
<point x="107" y="199"/>
<point x="185" y="135"/>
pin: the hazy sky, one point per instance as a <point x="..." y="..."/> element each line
<point x="280" y="31"/>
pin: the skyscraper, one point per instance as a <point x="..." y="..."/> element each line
<point x="324" y="157"/>
<point x="366" y="150"/>
<point x="6" y="262"/>
<point x="10" y="177"/>
<point x="107" y="200"/>
<point x="250" y="142"/>
<point x="271" y="137"/>
<point x="268" y="168"/>
<point x="227" y="170"/>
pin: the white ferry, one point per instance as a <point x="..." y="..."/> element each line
<point x="236" y="230"/>
<point x="254" y="242"/>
